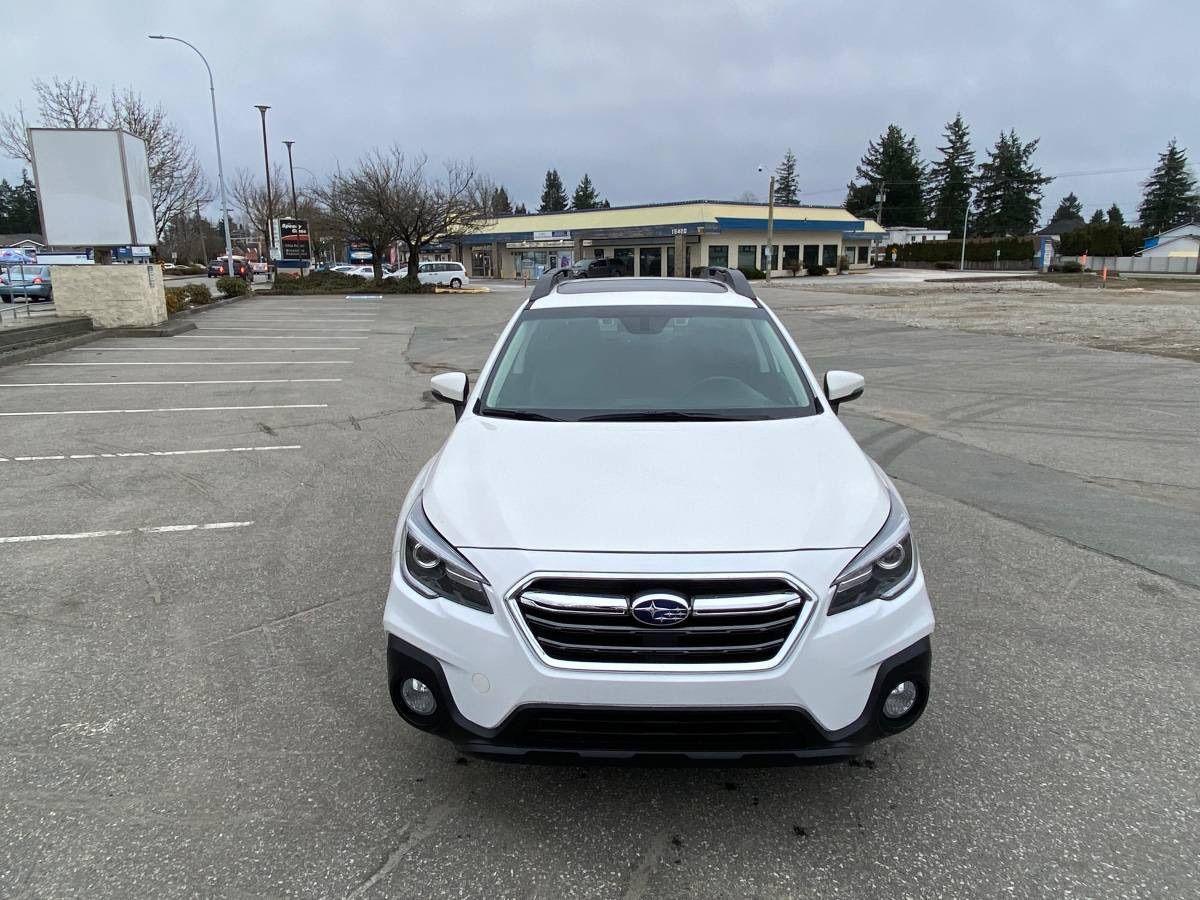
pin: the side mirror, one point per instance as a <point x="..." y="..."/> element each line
<point x="842" y="387"/>
<point x="451" y="387"/>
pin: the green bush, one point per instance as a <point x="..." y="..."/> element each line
<point x="197" y="294"/>
<point x="815" y="270"/>
<point x="337" y="283"/>
<point x="978" y="250"/>
<point x="1071" y="265"/>
<point x="231" y="286"/>
<point x="751" y="272"/>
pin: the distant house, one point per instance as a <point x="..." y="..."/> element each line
<point x="910" y="234"/>
<point x="31" y="243"/>
<point x="1059" y="227"/>
<point x="1182" y="240"/>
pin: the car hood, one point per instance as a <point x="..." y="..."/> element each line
<point x="665" y="487"/>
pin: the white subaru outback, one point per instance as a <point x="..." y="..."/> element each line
<point x="649" y="536"/>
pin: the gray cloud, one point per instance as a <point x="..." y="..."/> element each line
<point x="657" y="101"/>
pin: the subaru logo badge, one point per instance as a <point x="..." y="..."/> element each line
<point x="660" y="608"/>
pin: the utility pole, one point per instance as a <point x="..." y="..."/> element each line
<point x="962" y="260"/>
<point x="262" y="111"/>
<point x="881" y="196"/>
<point x="770" y="227"/>
<point x="292" y="175"/>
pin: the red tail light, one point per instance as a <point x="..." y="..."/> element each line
<point x="37" y="279"/>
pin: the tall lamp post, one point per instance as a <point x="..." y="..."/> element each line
<point x="292" y="175"/>
<point x="962" y="259"/>
<point x="217" y="134"/>
<point x="262" y="111"/>
<point x="769" y="253"/>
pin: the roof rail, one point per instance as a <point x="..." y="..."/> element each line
<point x="735" y="278"/>
<point x="545" y="284"/>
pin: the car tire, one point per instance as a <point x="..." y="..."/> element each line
<point x="456" y="283"/>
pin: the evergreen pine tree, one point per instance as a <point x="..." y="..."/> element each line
<point x="895" y="164"/>
<point x="19" y="208"/>
<point x="1008" y="188"/>
<point x="554" y="198"/>
<point x="585" y="195"/>
<point x="950" y="177"/>
<point x="1069" y="207"/>
<point x="1097" y="218"/>
<point x="787" y="189"/>
<point x="1169" y="195"/>
<point x="501" y="205"/>
<point x="520" y="210"/>
<point x="1115" y="216"/>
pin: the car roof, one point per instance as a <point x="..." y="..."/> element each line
<point x="642" y="292"/>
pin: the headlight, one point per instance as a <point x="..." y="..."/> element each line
<point x="435" y="569"/>
<point x="882" y="569"/>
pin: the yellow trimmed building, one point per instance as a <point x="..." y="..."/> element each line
<point x="670" y="239"/>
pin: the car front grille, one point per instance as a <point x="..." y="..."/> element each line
<point x="727" y="620"/>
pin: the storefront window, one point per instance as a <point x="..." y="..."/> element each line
<point x="651" y="261"/>
<point x="670" y="273"/>
<point x="862" y="254"/>
<point x="625" y="255"/>
<point x="718" y="255"/>
<point x="791" y="256"/>
<point x="774" y="264"/>
<point x="747" y="256"/>
<point x="829" y="256"/>
<point x="811" y="254"/>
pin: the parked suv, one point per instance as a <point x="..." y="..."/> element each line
<point x="241" y="269"/>
<point x="598" y="268"/>
<point x="648" y="534"/>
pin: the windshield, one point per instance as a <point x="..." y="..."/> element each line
<point x="630" y="363"/>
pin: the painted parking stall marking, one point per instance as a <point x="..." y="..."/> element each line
<point x="113" y="532"/>
<point x="29" y="384"/>
<point x="190" y="349"/>
<point x="163" y="409"/>
<point x="238" y="362"/>
<point x="131" y="454"/>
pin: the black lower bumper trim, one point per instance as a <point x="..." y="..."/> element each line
<point x="556" y="733"/>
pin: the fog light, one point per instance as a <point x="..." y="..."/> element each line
<point x="418" y="697"/>
<point x="900" y="700"/>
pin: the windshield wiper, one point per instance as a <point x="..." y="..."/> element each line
<point x="517" y="414"/>
<point x="663" y="415"/>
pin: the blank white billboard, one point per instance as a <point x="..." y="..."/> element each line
<point x="93" y="187"/>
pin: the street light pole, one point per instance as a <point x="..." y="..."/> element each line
<point x="262" y="111"/>
<point x="217" y="134"/>
<point x="770" y="227"/>
<point x="962" y="260"/>
<point x="292" y="175"/>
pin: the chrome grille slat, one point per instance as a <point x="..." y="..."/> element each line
<point x="736" y="620"/>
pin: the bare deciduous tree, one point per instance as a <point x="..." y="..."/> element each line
<point x="388" y="197"/>
<point x="250" y="196"/>
<point x="177" y="181"/>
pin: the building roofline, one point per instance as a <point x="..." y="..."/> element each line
<point x="763" y="204"/>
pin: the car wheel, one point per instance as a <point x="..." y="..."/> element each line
<point x="456" y="283"/>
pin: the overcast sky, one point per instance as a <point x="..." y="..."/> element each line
<point x="656" y="100"/>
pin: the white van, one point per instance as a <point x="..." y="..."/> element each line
<point x="451" y="274"/>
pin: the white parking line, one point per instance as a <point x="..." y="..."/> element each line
<point x="264" y="337"/>
<point x="289" y="328"/>
<point x="137" y="453"/>
<point x="156" y="529"/>
<point x="17" y="384"/>
<point x="270" y="362"/>
<point x="100" y="412"/>
<point x="191" y="349"/>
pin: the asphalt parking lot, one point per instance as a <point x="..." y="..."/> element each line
<point x="194" y="540"/>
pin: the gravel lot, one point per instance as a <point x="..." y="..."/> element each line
<point x="194" y="548"/>
<point x="1158" y="321"/>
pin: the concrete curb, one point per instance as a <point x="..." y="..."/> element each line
<point x="19" y="356"/>
<point x="167" y="329"/>
<point x="193" y="310"/>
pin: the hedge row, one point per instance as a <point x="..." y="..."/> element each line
<point x="978" y="250"/>
<point x="337" y="283"/>
<point x="183" y="296"/>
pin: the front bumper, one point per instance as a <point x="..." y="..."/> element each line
<point x="498" y="695"/>
<point x="546" y="732"/>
